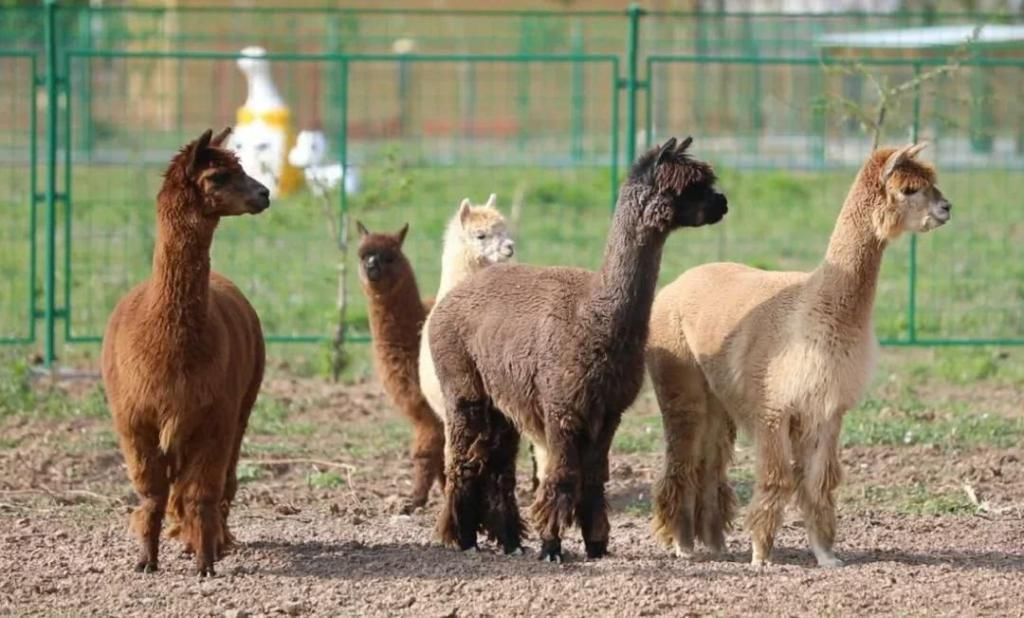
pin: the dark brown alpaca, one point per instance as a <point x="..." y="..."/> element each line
<point x="396" y="319"/>
<point x="183" y="360"/>
<point x="558" y="353"/>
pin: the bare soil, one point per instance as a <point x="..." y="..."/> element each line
<point x="320" y="534"/>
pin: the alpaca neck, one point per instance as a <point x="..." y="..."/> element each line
<point x="625" y="284"/>
<point x="397" y="314"/>
<point x="457" y="263"/>
<point x="181" y="277"/>
<point x="848" y="277"/>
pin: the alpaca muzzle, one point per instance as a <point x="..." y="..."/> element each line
<point x="941" y="211"/>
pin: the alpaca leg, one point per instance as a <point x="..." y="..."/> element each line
<point x="556" y="500"/>
<point x="774" y="485"/>
<point x="717" y="502"/>
<point x="680" y="389"/>
<point x="227" y="540"/>
<point x="427" y="456"/>
<point x="822" y="473"/>
<point x="147" y="469"/>
<point x="467" y="445"/>
<point x="592" y="511"/>
<point x="201" y="483"/>
<point x="503" y="523"/>
<point x="539" y="453"/>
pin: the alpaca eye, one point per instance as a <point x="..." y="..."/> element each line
<point x="219" y="178"/>
<point x="908" y="191"/>
<point x="481" y="235"/>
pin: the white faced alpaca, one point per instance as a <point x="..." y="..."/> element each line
<point x="309" y="154"/>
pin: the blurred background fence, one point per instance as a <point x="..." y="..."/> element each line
<point x="544" y="108"/>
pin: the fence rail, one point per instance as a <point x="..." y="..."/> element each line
<point x="545" y="108"/>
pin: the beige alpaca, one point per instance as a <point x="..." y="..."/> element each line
<point x="476" y="237"/>
<point x="783" y="355"/>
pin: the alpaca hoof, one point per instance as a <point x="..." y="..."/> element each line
<point x="205" y="570"/>
<point x="760" y="563"/>
<point x="685" y="552"/>
<point x="596" y="549"/>
<point x="515" y="551"/>
<point x="551" y="551"/>
<point x="829" y="562"/>
<point x="146" y="566"/>
<point x="470" y="549"/>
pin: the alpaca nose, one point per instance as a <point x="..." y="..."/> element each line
<point x="941" y="211"/>
<point x="510" y="248"/>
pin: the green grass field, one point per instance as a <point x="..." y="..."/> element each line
<point x="970" y="274"/>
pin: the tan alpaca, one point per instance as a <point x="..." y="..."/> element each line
<point x="783" y="355"/>
<point x="475" y="238"/>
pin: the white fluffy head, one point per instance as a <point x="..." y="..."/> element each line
<point x="482" y="232"/>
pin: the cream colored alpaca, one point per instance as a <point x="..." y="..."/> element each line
<point x="783" y="355"/>
<point x="476" y="237"/>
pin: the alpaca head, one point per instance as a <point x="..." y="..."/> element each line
<point x="912" y="201"/>
<point x="212" y="181"/>
<point x="482" y="232"/>
<point x="381" y="261"/>
<point x="676" y="190"/>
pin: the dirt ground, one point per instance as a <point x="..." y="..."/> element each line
<point x="320" y="533"/>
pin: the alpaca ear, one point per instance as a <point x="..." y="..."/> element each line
<point x="401" y="234"/>
<point x="199" y="151"/>
<point x="684" y="144"/>
<point x="464" y="211"/>
<point x="362" y="229"/>
<point x="218" y="140"/>
<point x="916" y="149"/>
<point x="894" y="161"/>
<point x="666" y="151"/>
<point x="492" y="201"/>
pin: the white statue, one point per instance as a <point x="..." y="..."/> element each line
<point x="309" y="154"/>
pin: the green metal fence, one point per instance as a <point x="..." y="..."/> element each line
<point x="544" y="108"/>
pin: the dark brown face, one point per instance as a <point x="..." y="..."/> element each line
<point x="227" y="190"/>
<point x="377" y="264"/>
<point x="699" y="205"/>
<point x="381" y="261"/>
<point x="681" y="189"/>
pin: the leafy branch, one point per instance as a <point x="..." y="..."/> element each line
<point x="872" y="117"/>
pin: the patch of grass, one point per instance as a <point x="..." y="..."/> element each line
<point x="387" y="436"/>
<point x="271" y="416"/>
<point x="286" y="262"/>
<point x="917" y="499"/>
<point x="247" y="473"/>
<point x="639" y="434"/>
<point x="909" y="421"/>
<point x="324" y="480"/>
<point x="23" y="393"/>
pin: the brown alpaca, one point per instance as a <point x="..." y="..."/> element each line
<point x="183" y="360"/>
<point x="558" y="353"/>
<point x="783" y="355"/>
<point x="396" y="318"/>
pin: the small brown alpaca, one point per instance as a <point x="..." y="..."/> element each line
<point x="396" y="318"/>
<point x="183" y="360"/>
<point x="783" y="355"/>
<point x="558" y="353"/>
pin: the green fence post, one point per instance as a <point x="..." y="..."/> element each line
<point x="915" y="128"/>
<point x="85" y="100"/>
<point x="50" y="281"/>
<point x="577" y="92"/>
<point x="634" y="11"/>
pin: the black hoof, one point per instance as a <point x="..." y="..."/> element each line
<point x="551" y="551"/>
<point x="596" y="549"/>
<point x="145" y="566"/>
